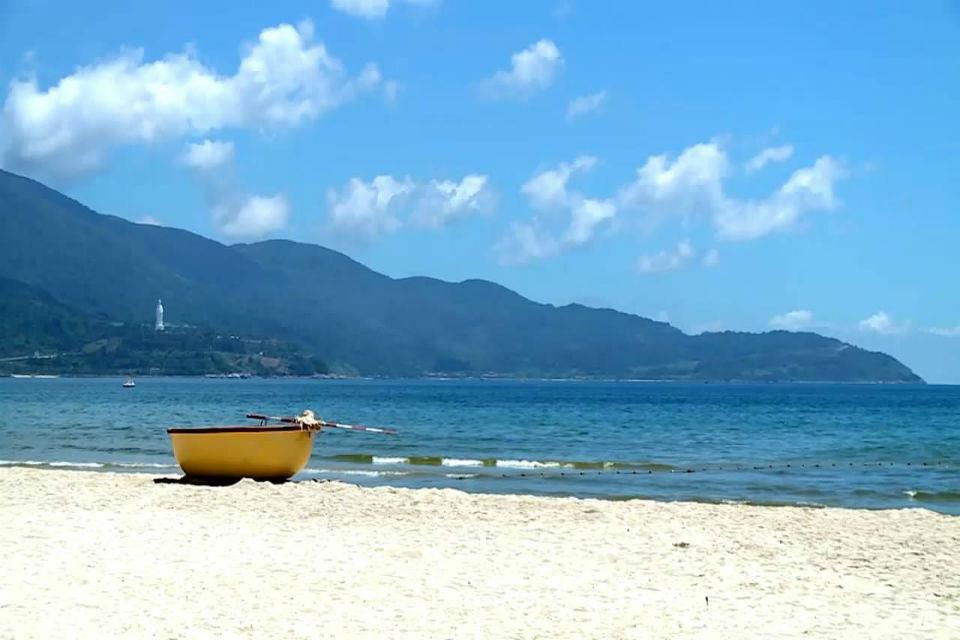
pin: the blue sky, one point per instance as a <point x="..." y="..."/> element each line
<point x="721" y="165"/>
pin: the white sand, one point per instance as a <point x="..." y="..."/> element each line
<point x="86" y="555"/>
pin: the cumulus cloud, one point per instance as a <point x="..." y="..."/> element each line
<point x="547" y="193"/>
<point x="385" y="203"/>
<point x="690" y="187"/>
<point x="793" y="320"/>
<point x="67" y="129"/>
<point x="208" y="155"/>
<point x="946" y="332"/>
<point x="251" y="216"/>
<point x="808" y="189"/>
<point x="525" y="242"/>
<point x="373" y="9"/>
<point x="548" y="189"/>
<point x="586" y="214"/>
<point x="669" y="260"/>
<point x="367" y="208"/>
<point x="768" y="155"/>
<point x="882" y="323"/>
<point x="443" y="201"/>
<point x="369" y="9"/>
<point x="585" y="104"/>
<point x="531" y="70"/>
<point x="693" y="185"/>
<point x="236" y="214"/>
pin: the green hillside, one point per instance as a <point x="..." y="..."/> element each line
<point x="321" y="302"/>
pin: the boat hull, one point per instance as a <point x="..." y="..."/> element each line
<point x="261" y="453"/>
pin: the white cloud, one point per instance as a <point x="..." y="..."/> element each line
<point x="390" y="90"/>
<point x="367" y="209"/>
<point x="531" y="70"/>
<point x="689" y="187"/>
<point x="882" y="323"/>
<point x="586" y="214"/>
<point x="369" y="9"/>
<point x="768" y="155"/>
<point x="547" y="193"/>
<point x="68" y="129"/>
<point x="670" y="260"/>
<point x="149" y="220"/>
<point x="548" y="189"/>
<point x="442" y="201"/>
<point x="372" y="9"/>
<point x="711" y="258"/>
<point x="693" y="185"/>
<point x="208" y="155"/>
<point x="586" y="104"/>
<point x="236" y="214"/>
<point x="793" y="320"/>
<point x="525" y="242"/>
<point x="946" y="332"/>
<point x="251" y="217"/>
<point x="808" y="189"/>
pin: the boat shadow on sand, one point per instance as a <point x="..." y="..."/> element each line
<point x="209" y="482"/>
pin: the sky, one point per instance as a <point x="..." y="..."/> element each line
<point x="722" y="166"/>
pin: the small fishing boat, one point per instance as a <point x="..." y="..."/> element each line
<point x="129" y="383"/>
<point x="262" y="452"/>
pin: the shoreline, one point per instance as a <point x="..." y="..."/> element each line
<point x="118" y="555"/>
<point x="170" y="470"/>
<point x="478" y="378"/>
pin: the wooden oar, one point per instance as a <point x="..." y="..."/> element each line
<point x="324" y="423"/>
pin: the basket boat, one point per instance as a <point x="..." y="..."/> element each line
<point x="258" y="452"/>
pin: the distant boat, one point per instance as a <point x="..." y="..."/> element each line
<point x="39" y="376"/>
<point x="129" y="383"/>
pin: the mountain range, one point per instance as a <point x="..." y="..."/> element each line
<point x="65" y="266"/>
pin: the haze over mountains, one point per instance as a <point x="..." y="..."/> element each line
<point x="67" y="263"/>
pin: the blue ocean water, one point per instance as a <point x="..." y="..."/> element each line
<point x="870" y="446"/>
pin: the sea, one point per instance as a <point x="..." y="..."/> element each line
<point x="820" y="445"/>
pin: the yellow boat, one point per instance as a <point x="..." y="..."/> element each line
<point x="261" y="453"/>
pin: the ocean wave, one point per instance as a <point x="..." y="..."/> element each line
<point x="461" y="476"/>
<point x="142" y="465"/>
<point x="85" y="465"/>
<point x="462" y="462"/>
<point x="355" y="472"/>
<point x="527" y="464"/>
<point x="50" y="463"/>
<point x="933" y="496"/>
<point x="91" y="465"/>
<point x="506" y="463"/>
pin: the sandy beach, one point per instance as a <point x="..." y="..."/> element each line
<point x="120" y="556"/>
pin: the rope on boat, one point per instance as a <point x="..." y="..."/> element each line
<point x="308" y="421"/>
